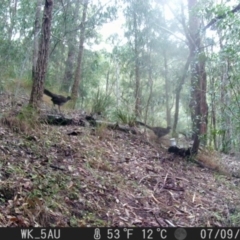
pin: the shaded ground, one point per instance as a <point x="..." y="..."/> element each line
<point x="106" y="178"/>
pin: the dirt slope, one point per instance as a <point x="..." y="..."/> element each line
<point x="105" y="178"/>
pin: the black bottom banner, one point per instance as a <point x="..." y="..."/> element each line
<point x="120" y="233"/>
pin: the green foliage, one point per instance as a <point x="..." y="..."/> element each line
<point x="28" y="118"/>
<point x="28" y="114"/>
<point x="235" y="217"/>
<point x="13" y="85"/>
<point x="24" y="122"/>
<point x="125" y="117"/>
<point x="101" y="102"/>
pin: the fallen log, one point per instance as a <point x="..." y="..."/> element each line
<point x="60" y="120"/>
<point x="84" y="121"/>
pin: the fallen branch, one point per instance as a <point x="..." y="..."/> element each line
<point x="84" y="121"/>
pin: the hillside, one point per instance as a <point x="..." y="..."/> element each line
<point x="104" y="177"/>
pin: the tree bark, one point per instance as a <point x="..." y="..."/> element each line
<point x="42" y="61"/>
<point x="13" y="15"/>
<point x="137" y="69"/>
<point x="150" y="83"/>
<point x="168" y="111"/>
<point x="78" y="72"/>
<point x="178" y="92"/>
<point x="36" y="31"/>
<point x="198" y="104"/>
<point x="72" y="43"/>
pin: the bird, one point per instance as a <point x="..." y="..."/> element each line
<point x="182" y="152"/>
<point x="159" y="131"/>
<point x="57" y="99"/>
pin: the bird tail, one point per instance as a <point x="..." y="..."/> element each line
<point x="143" y="124"/>
<point x="48" y="93"/>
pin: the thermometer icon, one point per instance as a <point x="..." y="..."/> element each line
<point x="97" y="234"/>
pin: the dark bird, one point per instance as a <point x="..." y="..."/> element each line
<point x="57" y="99"/>
<point x="91" y="120"/>
<point x="182" y="152"/>
<point x="159" y="131"/>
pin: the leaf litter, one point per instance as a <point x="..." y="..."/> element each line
<point x="107" y="178"/>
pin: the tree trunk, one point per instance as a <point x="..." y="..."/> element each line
<point x="69" y="65"/>
<point x="37" y="29"/>
<point x="71" y="42"/>
<point x="78" y="72"/>
<point x="168" y="112"/>
<point x="13" y="17"/>
<point x="107" y="82"/>
<point x="225" y="99"/>
<point x="117" y="88"/>
<point x="137" y="69"/>
<point x="178" y="92"/>
<point x="198" y="104"/>
<point x="212" y="117"/>
<point x="150" y="82"/>
<point x="42" y="61"/>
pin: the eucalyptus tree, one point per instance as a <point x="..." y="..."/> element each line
<point x="71" y="13"/>
<point x="77" y="76"/>
<point x="36" y="33"/>
<point x="42" y="61"/>
<point x="198" y="103"/>
<point x="135" y="15"/>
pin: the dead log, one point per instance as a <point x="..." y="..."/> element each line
<point x="60" y="120"/>
<point x="84" y="121"/>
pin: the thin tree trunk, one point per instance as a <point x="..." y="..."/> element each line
<point x="212" y="117"/>
<point x="226" y="120"/>
<point x="168" y="112"/>
<point x="107" y="82"/>
<point x="42" y="61"/>
<point x="198" y="105"/>
<point x="13" y="15"/>
<point x="137" y="69"/>
<point x="203" y="91"/>
<point x="150" y="81"/>
<point x="69" y="64"/>
<point x="178" y="92"/>
<point x="37" y="28"/>
<point x="214" y="128"/>
<point x="78" y="72"/>
<point x="224" y="139"/>
<point x="117" y="88"/>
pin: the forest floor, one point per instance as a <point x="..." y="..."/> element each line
<point x="104" y="177"/>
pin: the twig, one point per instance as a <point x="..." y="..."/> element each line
<point x="57" y="168"/>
